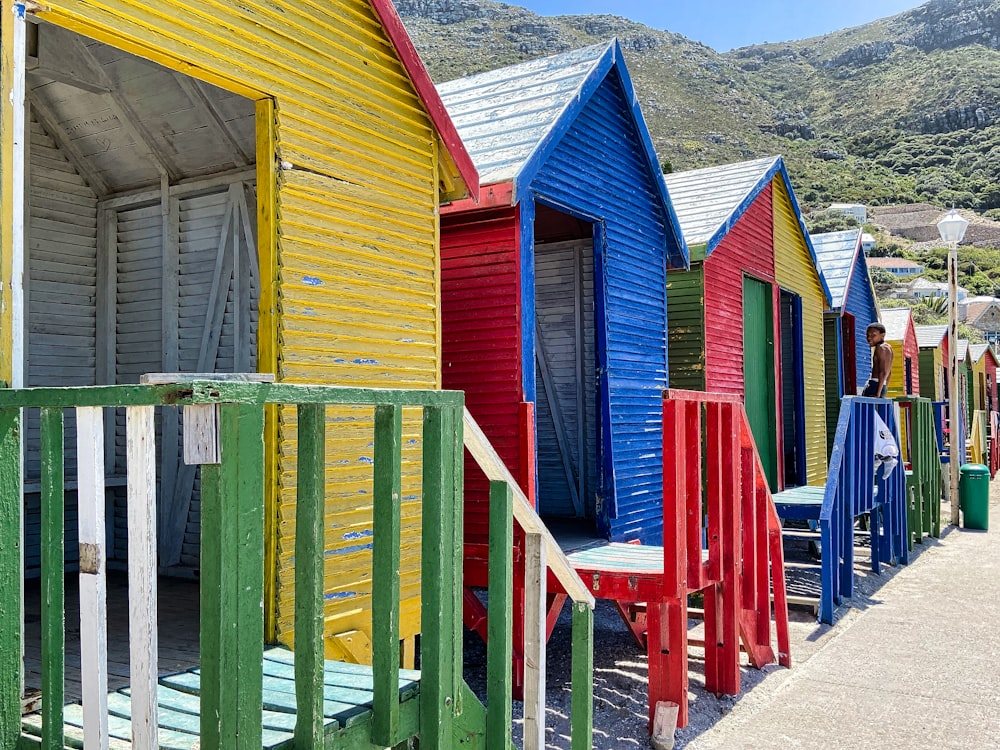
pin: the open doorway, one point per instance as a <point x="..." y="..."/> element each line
<point x="140" y="255"/>
<point x="566" y="383"/>
<point x="792" y="390"/>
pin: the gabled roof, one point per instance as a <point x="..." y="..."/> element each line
<point x="709" y="201"/>
<point x="895" y="320"/>
<point x="930" y="337"/>
<point x="836" y="253"/>
<point x="424" y="86"/>
<point x="512" y="119"/>
<point x="976" y="351"/>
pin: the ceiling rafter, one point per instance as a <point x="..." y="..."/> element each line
<point x="196" y="90"/>
<point x="130" y="121"/>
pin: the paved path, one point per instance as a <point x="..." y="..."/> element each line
<point x="918" y="669"/>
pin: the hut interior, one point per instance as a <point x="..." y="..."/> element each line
<point x="140" y="256"/>
<point x="566" y="382"/>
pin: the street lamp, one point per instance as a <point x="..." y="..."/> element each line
<point x="952" y="229"/>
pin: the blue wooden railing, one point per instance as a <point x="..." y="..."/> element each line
<point x="853" y="488"/>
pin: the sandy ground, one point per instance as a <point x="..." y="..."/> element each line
<point x="620" y="666"/>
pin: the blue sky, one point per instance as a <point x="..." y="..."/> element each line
<point x="725" y="24"/>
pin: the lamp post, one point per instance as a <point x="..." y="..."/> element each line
<point x="952" y="229"/>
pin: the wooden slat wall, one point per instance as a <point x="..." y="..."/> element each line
<point x="686" y="328"/>
<point x="556" y="311"/>
<point x="62" y="308"/>
<point x="796" y="271"/>
<point x="358" y="280"/>
<point x="138" y="329"/>
<point x="481" y="332"/>
<point x="748" y="248"/>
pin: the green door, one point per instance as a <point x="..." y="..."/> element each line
<point x="758" y="372"/>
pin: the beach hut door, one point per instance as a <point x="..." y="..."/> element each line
<point x="566" y="378"/>
<point x="792" y="390"/>
<point x="758" y="372"/>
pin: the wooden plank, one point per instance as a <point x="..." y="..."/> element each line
<point x="310" y="545"/>
<point x="232" y="578"/>
<point x="53" y="578"/>
<point x="441" y="484"/>
<point x="11" y="582"/>
<point x="93" y="596"/>
<point x="500" y="625"/>
<point x="535" y="573"/>
<point x="582" y="702"/>
<point x="387" y="529"/>
<point x="143" y="631"/>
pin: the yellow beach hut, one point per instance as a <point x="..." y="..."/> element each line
<point x="228" y="187"/>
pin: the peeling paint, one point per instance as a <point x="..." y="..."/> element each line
<point x="312" y="281"/>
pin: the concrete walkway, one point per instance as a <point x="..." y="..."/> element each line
<point x="918" y="669"/>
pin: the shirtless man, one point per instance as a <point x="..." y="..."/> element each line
<point x="881" y="361"/>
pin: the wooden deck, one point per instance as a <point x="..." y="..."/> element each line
<point x="348" y="688"/>
<point x="178" y="630"/>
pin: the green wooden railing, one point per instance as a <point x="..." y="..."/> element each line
<point x="924" y="480"/>
<point x="232" y="563"/>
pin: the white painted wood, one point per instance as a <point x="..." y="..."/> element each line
<point x="535" y="569"/>
<point x="494" y="468"/>
<point x="93" y="586"/>
<point x="201" y="434"/>
<point x="141" y="455"/>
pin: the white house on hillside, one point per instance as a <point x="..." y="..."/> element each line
<point x="857" y="210"/>
<point x="900" y="267"/>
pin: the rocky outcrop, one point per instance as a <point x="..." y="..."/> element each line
<point x="868" y="53"/>
<point x="958" y="118"/>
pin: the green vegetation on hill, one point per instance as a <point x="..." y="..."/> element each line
<point x="901" y="110"/>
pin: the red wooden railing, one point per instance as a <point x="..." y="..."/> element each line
<point x="715" y="489"/>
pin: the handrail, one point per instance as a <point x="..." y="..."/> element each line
<point x="494" y="468"/>
<point x="835" y="536"/>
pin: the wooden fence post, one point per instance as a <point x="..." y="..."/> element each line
<point x="232" y="584"/>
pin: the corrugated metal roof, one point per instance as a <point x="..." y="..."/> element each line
<point x="930" y="337"/>
<point x="503" y="115"/>
<point x="835" y="254"/>
<point x="707" y="199"/>
<point x="963" y="349"/>
<point x="895" y="319"/>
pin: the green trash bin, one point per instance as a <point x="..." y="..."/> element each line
<point x="974" y="495"/>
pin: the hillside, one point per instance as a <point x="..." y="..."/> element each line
<point x="900" y="110"/>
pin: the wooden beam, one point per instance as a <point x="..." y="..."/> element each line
<point x="59" y="59"/>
